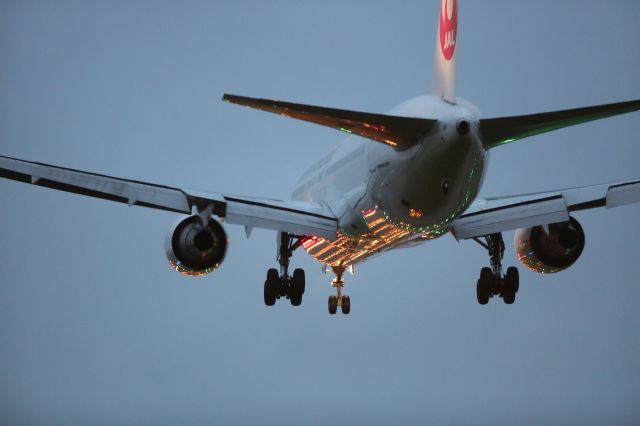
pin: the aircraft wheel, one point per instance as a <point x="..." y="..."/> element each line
<point x="273" y="276"/>
<point x="486" y="275"/>
<point x="346" y="305"/>
<point x="483" y="287"/>
<point x="269" y="296"/>
<point x="508" y="297"/>
<point x="271" y="287"/>
<point x="482" y="292"/>
<point x="512" y="279"/>
<point x="299" y="281"/>
<point x="333" y="304"/>
<point x="511" y="285"/>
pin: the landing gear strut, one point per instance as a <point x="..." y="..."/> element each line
<point x="341" y="300"/>
<point x="492" y="281"/>
<point x="282" y="284"/>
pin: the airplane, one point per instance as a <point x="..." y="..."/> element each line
<point x="398" y="180"/>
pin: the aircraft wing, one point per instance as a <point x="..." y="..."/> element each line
<point x="296" y="217"/>
<point x="492" y="215"/>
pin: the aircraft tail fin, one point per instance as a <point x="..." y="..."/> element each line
<point x="444" y="73"/>
<point x="397" y="132"/>
<point x="500" y="131"/>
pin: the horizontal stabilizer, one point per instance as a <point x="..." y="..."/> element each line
<point x="397" y="132"/>
<point x="499" y="131"/>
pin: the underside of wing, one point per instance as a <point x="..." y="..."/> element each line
<point x="492" y="215"/>
<point x="295" y="217"/>
<point x="96" y="185"/>
<point x="397" y="132"/>
<point x="503" y="130"/>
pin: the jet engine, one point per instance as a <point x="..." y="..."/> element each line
<point x="550" y="252"/>
<point x="194" y="249"/>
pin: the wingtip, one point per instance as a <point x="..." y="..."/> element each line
<point x="235" y="99"/>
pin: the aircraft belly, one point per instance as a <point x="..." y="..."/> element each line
<point x="381" y="235"/>
<point x="388" y="199"/>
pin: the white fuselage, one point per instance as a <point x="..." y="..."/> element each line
<point x="385" y="198"/>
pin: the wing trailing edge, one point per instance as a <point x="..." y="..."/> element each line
<point x="503" y="130"/>
<point x="296" y="217"/>
<point x="397" y="132"/>
<point x="491" y="215"/>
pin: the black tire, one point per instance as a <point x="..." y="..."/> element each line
<point x="333" y="305"/>
<point x="271" y="287"/>
<point x="346" y="305"/>
<point x="299" y="281"/>
<point x="269" y="295"/>
<point x="277" y="285"/>
<point x="273" y="276"/>
<point x="482" y="293"/>
<point x="486" y="275"/>
<point x="296" y="300"/>
<point x="509" y="297"/>
<point x="512" y="279"/>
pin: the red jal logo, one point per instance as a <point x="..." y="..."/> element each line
<point x="448" y="27"/>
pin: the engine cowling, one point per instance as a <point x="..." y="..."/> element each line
<point x="552" y="252"/>
<point x="193" y="249"/>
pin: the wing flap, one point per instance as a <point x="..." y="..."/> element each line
<point x="512" y="216"/>
<point x="296" y="217"/>
<point x="282" y="216"/>
<point x="503" y="130"/>
<point x="623" y="194"/>
<point x="397" y="132"/>
<point x="95" y="185"/>
<point x="491" y="215"/>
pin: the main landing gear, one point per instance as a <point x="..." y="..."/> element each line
<point x="492" y="281"/>
<point x="282" y="284"/>
<point x="341" y="300"/>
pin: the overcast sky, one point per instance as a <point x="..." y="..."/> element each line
<point x="96" y="328"/>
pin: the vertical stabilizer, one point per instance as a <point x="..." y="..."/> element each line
<point x="444" y="74"/>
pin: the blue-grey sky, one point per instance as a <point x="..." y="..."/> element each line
<point x="95" y="328"/>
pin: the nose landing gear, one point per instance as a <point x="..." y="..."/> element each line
<point x="492" y="281"/>
<point x="339" y="299"/>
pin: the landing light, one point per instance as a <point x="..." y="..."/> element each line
<point x="415" y="213"/>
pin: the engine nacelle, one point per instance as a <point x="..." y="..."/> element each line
<point x="193" y="249"/>
<point x="552" y="252"/>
